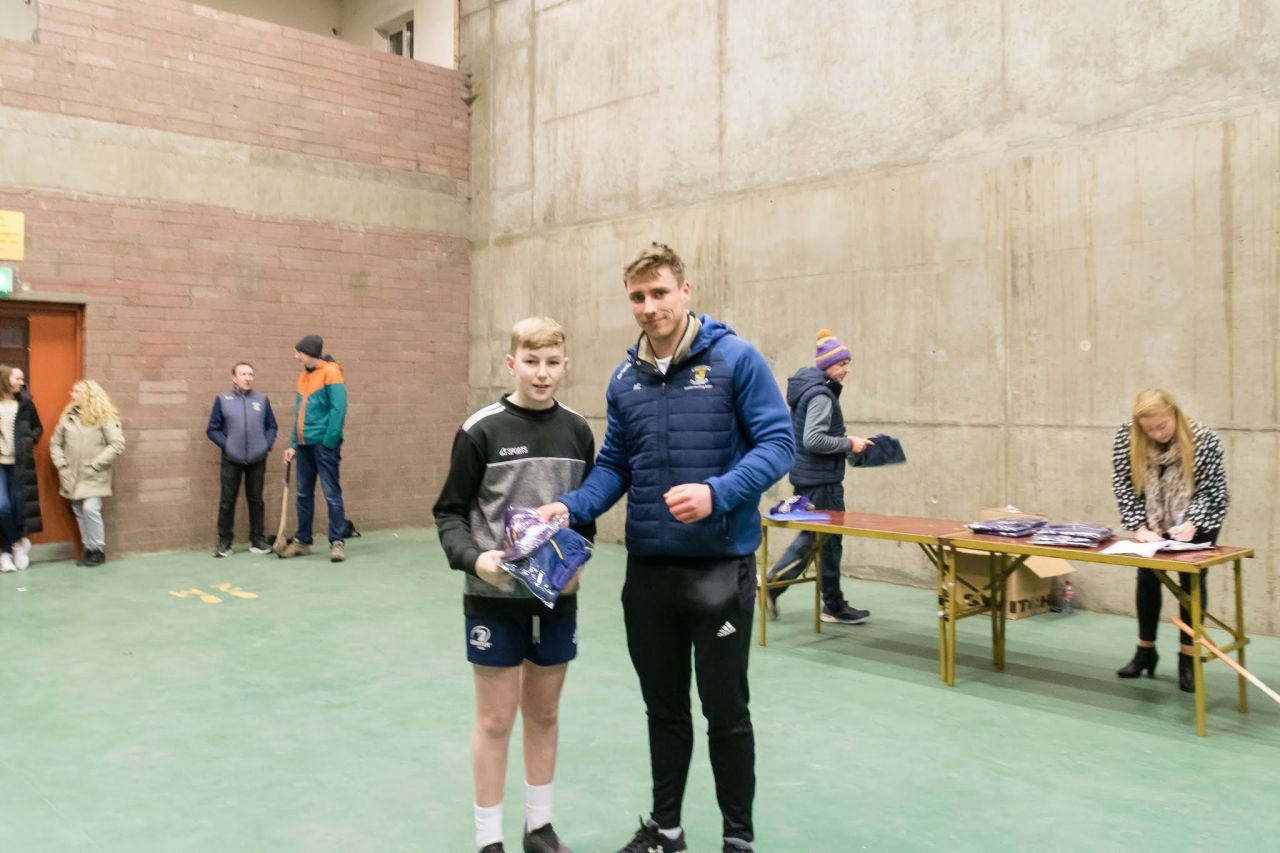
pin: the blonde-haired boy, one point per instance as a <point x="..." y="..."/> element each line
<point x="520" y="451"/>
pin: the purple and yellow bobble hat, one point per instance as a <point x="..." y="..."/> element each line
<point x="830" y="350"/>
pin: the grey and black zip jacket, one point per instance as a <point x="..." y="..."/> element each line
<point x="503" y="456"/>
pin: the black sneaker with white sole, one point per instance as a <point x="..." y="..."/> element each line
<point x="223" y="549"/>
<point x="260" y="547"/>
<point x="845" y="615"/>
<point x="650" y="840"/>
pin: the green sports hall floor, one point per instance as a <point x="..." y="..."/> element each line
<point x="332" y="713"/>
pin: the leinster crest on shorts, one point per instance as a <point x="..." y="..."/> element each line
<point x="480" y="638"/>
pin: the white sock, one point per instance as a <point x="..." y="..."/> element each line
<point x="537" y="806"/>
<point x="673" y="834"/>
<point x="488" y="825"/>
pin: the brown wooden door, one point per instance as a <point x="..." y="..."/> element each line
<point x="52" y="364"/>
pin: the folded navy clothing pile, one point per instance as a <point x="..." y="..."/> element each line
<point x="883" y="450"/>
<point x="1014" y="528"/>
<point x="1078" y="535"/>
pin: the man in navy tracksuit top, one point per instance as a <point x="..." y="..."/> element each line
<point x="243" y="425"/>
<point x="696" y="430"/>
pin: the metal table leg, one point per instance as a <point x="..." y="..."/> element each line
<point x="1197" y="664"/>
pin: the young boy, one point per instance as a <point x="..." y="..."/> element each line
<point x="521" y="451"/>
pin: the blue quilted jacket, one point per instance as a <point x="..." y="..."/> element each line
<point x="716" y="417"/>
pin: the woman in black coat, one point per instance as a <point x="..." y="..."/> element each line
<point x="24" y="492"/>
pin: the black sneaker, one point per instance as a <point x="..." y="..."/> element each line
<point x="222" y="550"/>
<point x="260" y="547"/>
<point x="649" y="840"/>
<point x="544" y="840"/>
<point x="736" y="845"/>
<point x="495" y="847"/>
<point x="845" y="615"/>
<point x="771" y="603"/>
<point x="95" y="558"/>
<point x="84" y="558"/>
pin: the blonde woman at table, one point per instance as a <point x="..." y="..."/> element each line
<point x="1171" y="483"/>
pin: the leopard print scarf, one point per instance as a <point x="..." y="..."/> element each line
<point x="1167" y="492"/>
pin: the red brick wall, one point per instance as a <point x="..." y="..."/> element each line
<point x="176" y="293"/>
<point x="188" y="69"/>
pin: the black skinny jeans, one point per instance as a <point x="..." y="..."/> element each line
<point x="254" y="474"/>
<point x="701" y="608"/>
<point x="1149" y="598"/>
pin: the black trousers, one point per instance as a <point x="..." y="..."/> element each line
<point x="254" y="474"/>
<point x="683" y="611"/>
<point x="1148" y="597"/>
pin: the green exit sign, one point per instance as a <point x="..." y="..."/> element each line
<point x="6" y="281"/>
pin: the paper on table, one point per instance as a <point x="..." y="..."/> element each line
<point x="1175" y="545"/>
<point x="1149" y="549"/>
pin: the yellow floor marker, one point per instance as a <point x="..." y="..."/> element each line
<point x="206" y="597"/>
<point x="234" y="590"/>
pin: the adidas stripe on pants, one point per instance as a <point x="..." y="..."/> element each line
<point x="672" y="607"/>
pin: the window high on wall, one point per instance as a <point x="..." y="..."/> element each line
<point x="398" y="36"/>
<point x="425" y="30"/>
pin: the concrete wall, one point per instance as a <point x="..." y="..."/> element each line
<point x="212" y="187"/>
<point x="1018" y="214"/>
<point x="17" y="19"/>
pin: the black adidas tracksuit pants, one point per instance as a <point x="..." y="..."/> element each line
<point x="673" y="607"/>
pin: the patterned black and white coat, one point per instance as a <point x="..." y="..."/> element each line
<point x="1209" y="498"/>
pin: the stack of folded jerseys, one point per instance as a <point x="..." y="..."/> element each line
<point x="1014" y="528"/>
<point x="1077" y="535"/>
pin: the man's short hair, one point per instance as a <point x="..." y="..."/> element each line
<point x="536" y="333"/>
<point x="648" y="264"/>
<point x="236" y="366"/>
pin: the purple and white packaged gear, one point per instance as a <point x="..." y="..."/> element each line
<point x="1014" y="528"/>
<point x="1074" y="534"/>
<point x="795" y="508"/>
<point x="543" y="555"/>
<point x="526" y="532"/>
<point x="549" y="569"/>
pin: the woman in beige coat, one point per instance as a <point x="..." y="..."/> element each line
<point x="85" y="444"/>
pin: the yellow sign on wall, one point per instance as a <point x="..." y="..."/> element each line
<point x="12" y="235"/>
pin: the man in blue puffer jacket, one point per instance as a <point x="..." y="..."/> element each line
<point x="244" y="427"/>
<point x="696" y="431"/>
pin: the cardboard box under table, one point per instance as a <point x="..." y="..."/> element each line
<point x="1028" y="590"/>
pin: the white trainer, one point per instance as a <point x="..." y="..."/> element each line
<point x="22" y="553"/>
<point x="6" y="563"/>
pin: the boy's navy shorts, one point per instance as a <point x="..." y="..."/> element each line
<point x="510" y="640"/>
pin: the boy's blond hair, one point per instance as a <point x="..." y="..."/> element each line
<point x="648" y="264"/>
<point x="536" y="333"/>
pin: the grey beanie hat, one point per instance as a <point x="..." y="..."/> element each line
<point x="312" y="345"/>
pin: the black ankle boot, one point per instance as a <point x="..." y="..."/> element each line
<point x="1186" y="674"/>
<point x="1144" y="658"/>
